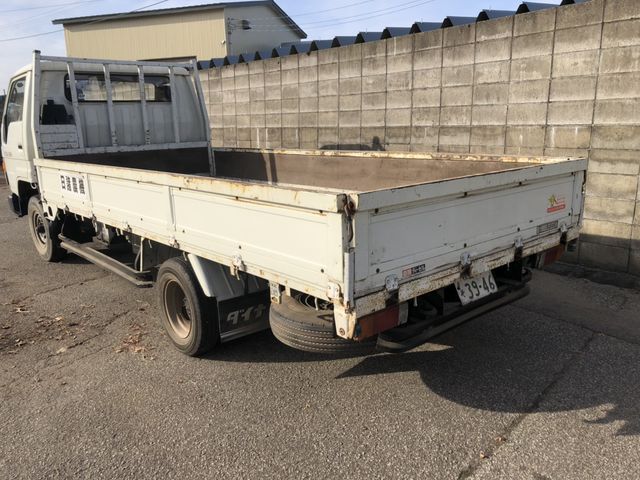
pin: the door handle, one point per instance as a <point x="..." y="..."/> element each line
<point x="19" y="146"/>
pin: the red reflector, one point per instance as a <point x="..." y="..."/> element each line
<point x="377" y="322"/>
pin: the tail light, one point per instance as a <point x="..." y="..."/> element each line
<point x="378" y="322"/>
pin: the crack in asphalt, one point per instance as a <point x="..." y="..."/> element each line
<point x="503" y="436"/>
<point x="59" y="287"/>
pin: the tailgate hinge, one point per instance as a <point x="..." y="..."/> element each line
<point x="349" y="208"/>
<point x="465" y="264"/>
<point x="275" y="292"/>
<point x="333" y="291"/>
<point x="391" y="283"/>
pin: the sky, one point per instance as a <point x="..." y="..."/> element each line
<point x="320" y="20"/>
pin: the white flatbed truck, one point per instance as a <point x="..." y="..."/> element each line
<point x="336" y="251"/>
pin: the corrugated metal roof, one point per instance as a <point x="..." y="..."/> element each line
<point x="457" y="21"/>
<point x="321" y="44"/>
<point x="300" y="44"/>
<point x="281" y="51"/>
<point x="364" y="37"/>
<point x="341" y="41"/>
<point x="301" y="47"/>
<point x="213" y="63"/>
<point x="526" y="7"/>
<point x="233" y="59"/>
<point x="420" y="27"/>
<point x="485" y="15"/>
<point x="264" y="54"/>
<point x="391" y="32"/>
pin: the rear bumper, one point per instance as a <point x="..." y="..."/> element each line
<point x="404" y="338"/>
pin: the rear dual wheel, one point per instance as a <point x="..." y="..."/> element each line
<point x="188" y="316"/>
<point x="306" y="323"/>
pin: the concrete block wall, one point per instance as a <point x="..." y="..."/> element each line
<point x="558" y="82"/>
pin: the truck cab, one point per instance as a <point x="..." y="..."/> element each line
<point x="19" y="170"/>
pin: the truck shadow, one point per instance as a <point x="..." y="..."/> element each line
<point x="524" y="365"/>
<point x="264" y="347"/>
<point x="498" y="364"/>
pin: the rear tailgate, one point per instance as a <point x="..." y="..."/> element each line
<point x="406" y="234"/>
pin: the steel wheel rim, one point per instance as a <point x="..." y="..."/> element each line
<point x="310" y="301"/>
<point x="39" y="228"/>
<point x="178" y="309"/>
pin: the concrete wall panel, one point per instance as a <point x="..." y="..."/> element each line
<point x="560" y="81"/>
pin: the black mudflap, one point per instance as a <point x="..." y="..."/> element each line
<point x="243" y="315"/>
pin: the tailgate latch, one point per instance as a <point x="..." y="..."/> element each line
<point x="237" y="266"/>
<point x="519" y="246"/>
<point x="465" y="264"/>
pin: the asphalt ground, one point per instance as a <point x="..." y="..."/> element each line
<point x="546" y="388"/>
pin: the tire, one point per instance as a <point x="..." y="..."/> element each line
<point x="44" y="233"/>
<point x="188" y="316"/>
<point x="303" y="327"/>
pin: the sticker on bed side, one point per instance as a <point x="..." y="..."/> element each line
<point x="410" y="272"/>
<point x="556" y="203"/>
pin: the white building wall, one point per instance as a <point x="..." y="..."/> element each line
<point x="267" y="31"/>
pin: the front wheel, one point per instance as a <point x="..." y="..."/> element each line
<point x="44" y="232"/>
<point x="188" y="316"/>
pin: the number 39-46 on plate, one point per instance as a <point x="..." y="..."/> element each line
<point x="475" y="288"/>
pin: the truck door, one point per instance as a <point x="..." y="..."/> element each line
<point x="13" y="148"/>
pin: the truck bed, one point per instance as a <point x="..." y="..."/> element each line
<point x="349" y="171"/>
<point x="356" y="171"/>
<point x="350" y="224"/>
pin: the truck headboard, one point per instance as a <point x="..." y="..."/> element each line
<point x="103" y="106"/>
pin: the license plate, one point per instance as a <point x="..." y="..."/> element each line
<point x="475" y="288"/>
